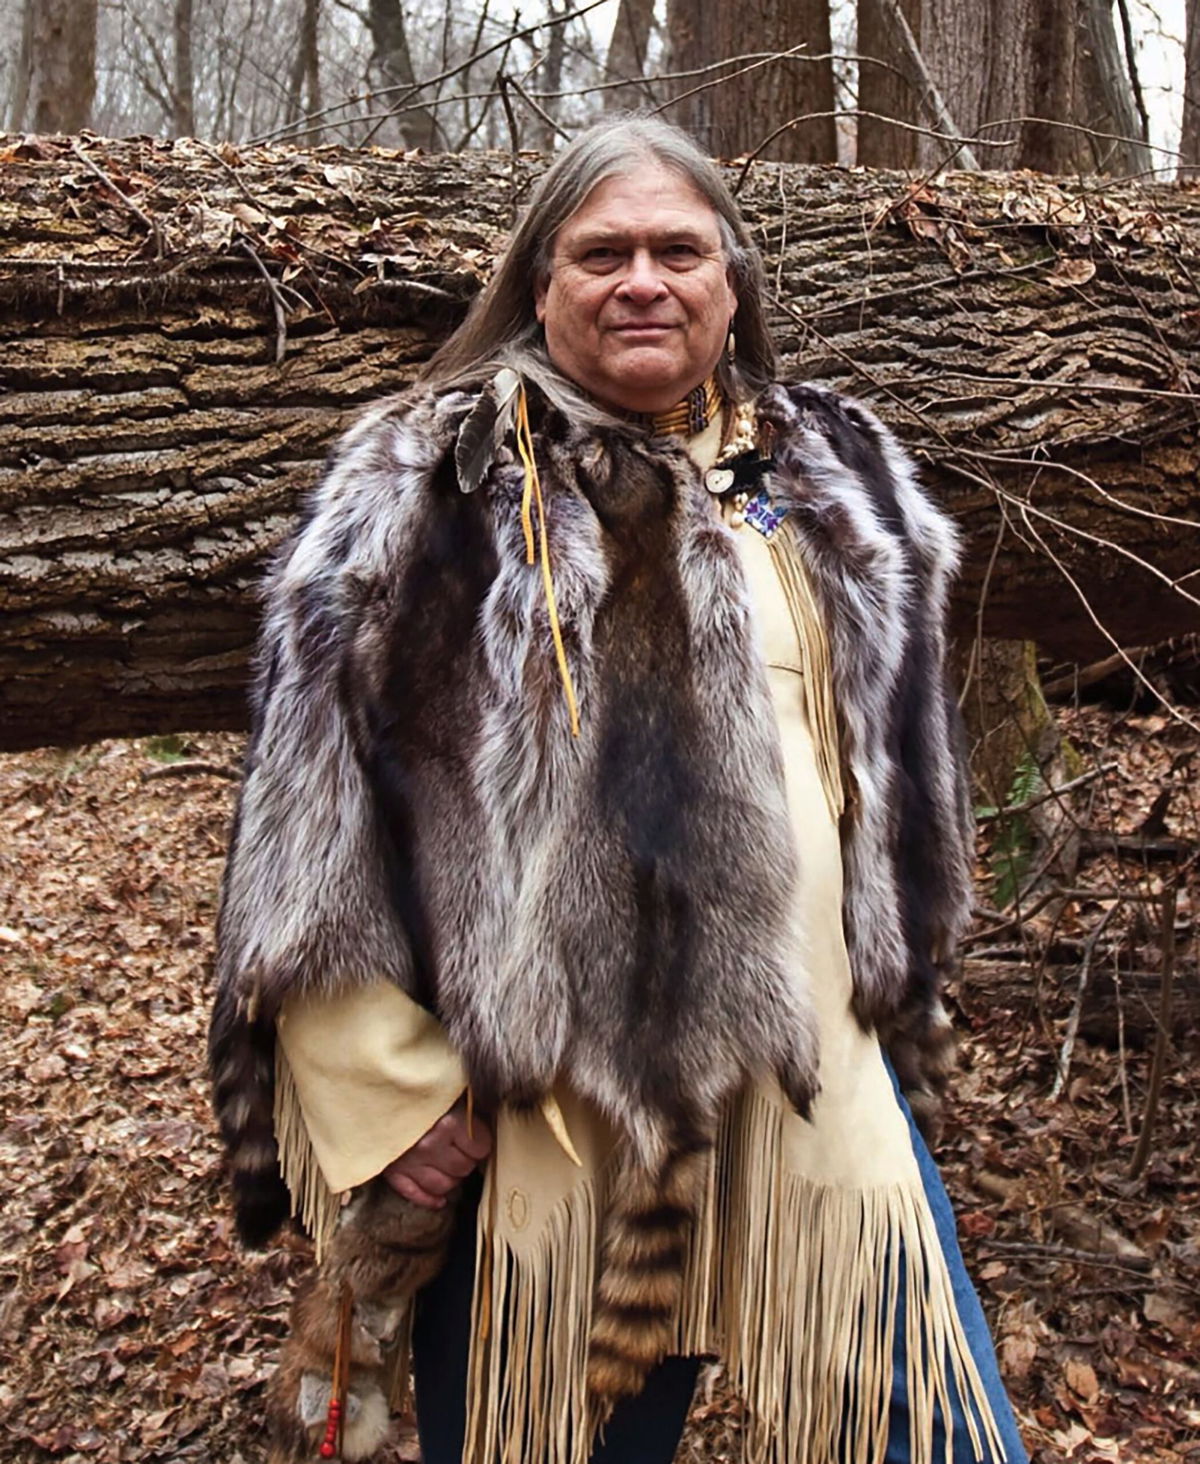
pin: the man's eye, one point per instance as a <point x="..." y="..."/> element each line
<point x="600" y="254"/>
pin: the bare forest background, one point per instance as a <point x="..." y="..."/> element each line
<point x="868" y="79"/>
<point x="225" y="224"/>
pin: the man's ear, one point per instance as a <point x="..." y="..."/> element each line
<point x="541" y="287"/>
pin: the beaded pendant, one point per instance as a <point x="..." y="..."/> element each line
<point x="761" y="514"/>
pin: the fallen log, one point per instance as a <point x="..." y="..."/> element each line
<point x="186" y="328"/>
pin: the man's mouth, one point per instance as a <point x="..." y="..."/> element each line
<point x="643" y="327"/>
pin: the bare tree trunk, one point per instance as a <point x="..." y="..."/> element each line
<point x="1105" y="96"/>
<point x="57" y="84"/>
<point x="542" y="134"/>
<point x="1079" y="75"/>
<point x="151" y="449"/>
<point x="306" y="70"/>
<point x="1189" y="142"/>
<point x="735" y="117"/>
<point x="977" y="53"/>
<point x="183" y="92"/>
<point x="20" y="96"/>
<point x="391" y="66"/>
<point x="886" y="90"/>
<point x="1054" y="62"/>
<point x="626" y="60"/>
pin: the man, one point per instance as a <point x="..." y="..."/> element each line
<point x="603" y="773"/>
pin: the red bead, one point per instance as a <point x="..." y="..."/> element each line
<point x="335" y="1407"/>
<point x="328" y="1450"/>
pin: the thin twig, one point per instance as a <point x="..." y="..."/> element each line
<point x="1138" y="1265"/>
<point x="139" y="214"/>
<point x="514" y="136"/>
<point x="838" y="113"/>
<point x="1162" y="1038"/>
<point x="1135" y="80"/>
<point x="534" y="107"/>
<point x="276" y="301"/>
<point x="1173" y="711"/>
<point x="1049" y="793"/>
<point x="1085" y="970"/>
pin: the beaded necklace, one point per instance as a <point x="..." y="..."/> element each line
<point x="691" y="415"/>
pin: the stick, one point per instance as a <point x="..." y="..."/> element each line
<point x="1049" y="793"/>
<point x="1068" y="1253"/>
<point x="143" y="218"/>
<point x="1085" y="967"/>
<point x="276" y="301"/>
<point x="1162" y="1038"/>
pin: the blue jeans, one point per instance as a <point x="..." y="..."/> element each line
<point x="647" y="1429"/>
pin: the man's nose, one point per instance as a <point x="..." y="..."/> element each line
<point x="643" y="280"/>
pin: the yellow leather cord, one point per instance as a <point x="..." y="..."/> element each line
<point x="532" y="494"/>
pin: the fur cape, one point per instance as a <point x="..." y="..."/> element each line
<point x="610" y="908"/>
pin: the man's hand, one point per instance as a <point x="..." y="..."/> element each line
<point x="439" y="1161"/>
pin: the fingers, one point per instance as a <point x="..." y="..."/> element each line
<point x="475" y="1143"/>
<point x="409" y="1189"/>
<point x="441" y="1159"/>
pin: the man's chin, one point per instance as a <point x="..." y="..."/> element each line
<point x="649" y="380"/>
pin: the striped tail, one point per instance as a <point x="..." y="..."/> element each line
<point x="241" y="1055"/>
<point x="650" y="1218"/>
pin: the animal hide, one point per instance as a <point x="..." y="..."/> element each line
<point x="609" y="908"/>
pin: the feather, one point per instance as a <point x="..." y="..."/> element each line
<point x="484" y="428"/>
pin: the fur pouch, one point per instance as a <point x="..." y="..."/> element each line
<point x="385" y="1249"/>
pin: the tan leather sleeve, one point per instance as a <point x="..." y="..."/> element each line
<point x="373" y="1071"/>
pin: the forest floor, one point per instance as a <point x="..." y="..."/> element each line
<point x="135" y="1330"/>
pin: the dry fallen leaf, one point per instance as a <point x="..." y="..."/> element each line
<point x="1081" y="1379"/>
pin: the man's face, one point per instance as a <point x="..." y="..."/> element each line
<point x="638" y="303"/>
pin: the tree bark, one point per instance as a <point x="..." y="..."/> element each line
<point x="57" y="82"/>
<point x="184" y="89"/>
<point x="735" y="117"/>
<point x="1008" y="69"/>
<point x="306" y="70"/>
<point x="1189" y="142"/>
<point x="391" y="66"/>
<point x="626" y="59"/>
<point x="152" y="451"/>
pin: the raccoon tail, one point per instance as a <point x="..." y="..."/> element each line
<point x="650" y="1217"/>
<point x="241" y="1056"/>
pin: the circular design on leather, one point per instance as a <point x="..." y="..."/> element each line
<point x="518" y="1209"/>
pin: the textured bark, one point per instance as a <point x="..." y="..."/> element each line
<point x="1189" y="142"/>
<point x="184" y="90"/>
<point x="997" y="62"/>
<point x="391" y="67"/>
<point x="306" y="68"/>
<point x="959" y="44"/>
<point x="151" y="449"/>
<point x="626" y="58"/>
<point x="56" y="81"/>
<point x="542" y="133"/>
<point x="735" y="117"/>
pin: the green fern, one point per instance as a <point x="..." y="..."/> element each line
<point x="1013" y="846"/>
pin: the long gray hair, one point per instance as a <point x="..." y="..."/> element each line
<point x="502" y="327"/>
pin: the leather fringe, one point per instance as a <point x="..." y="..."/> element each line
<point x="795" y="1285"/>
<point x="313" y="1201"/>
